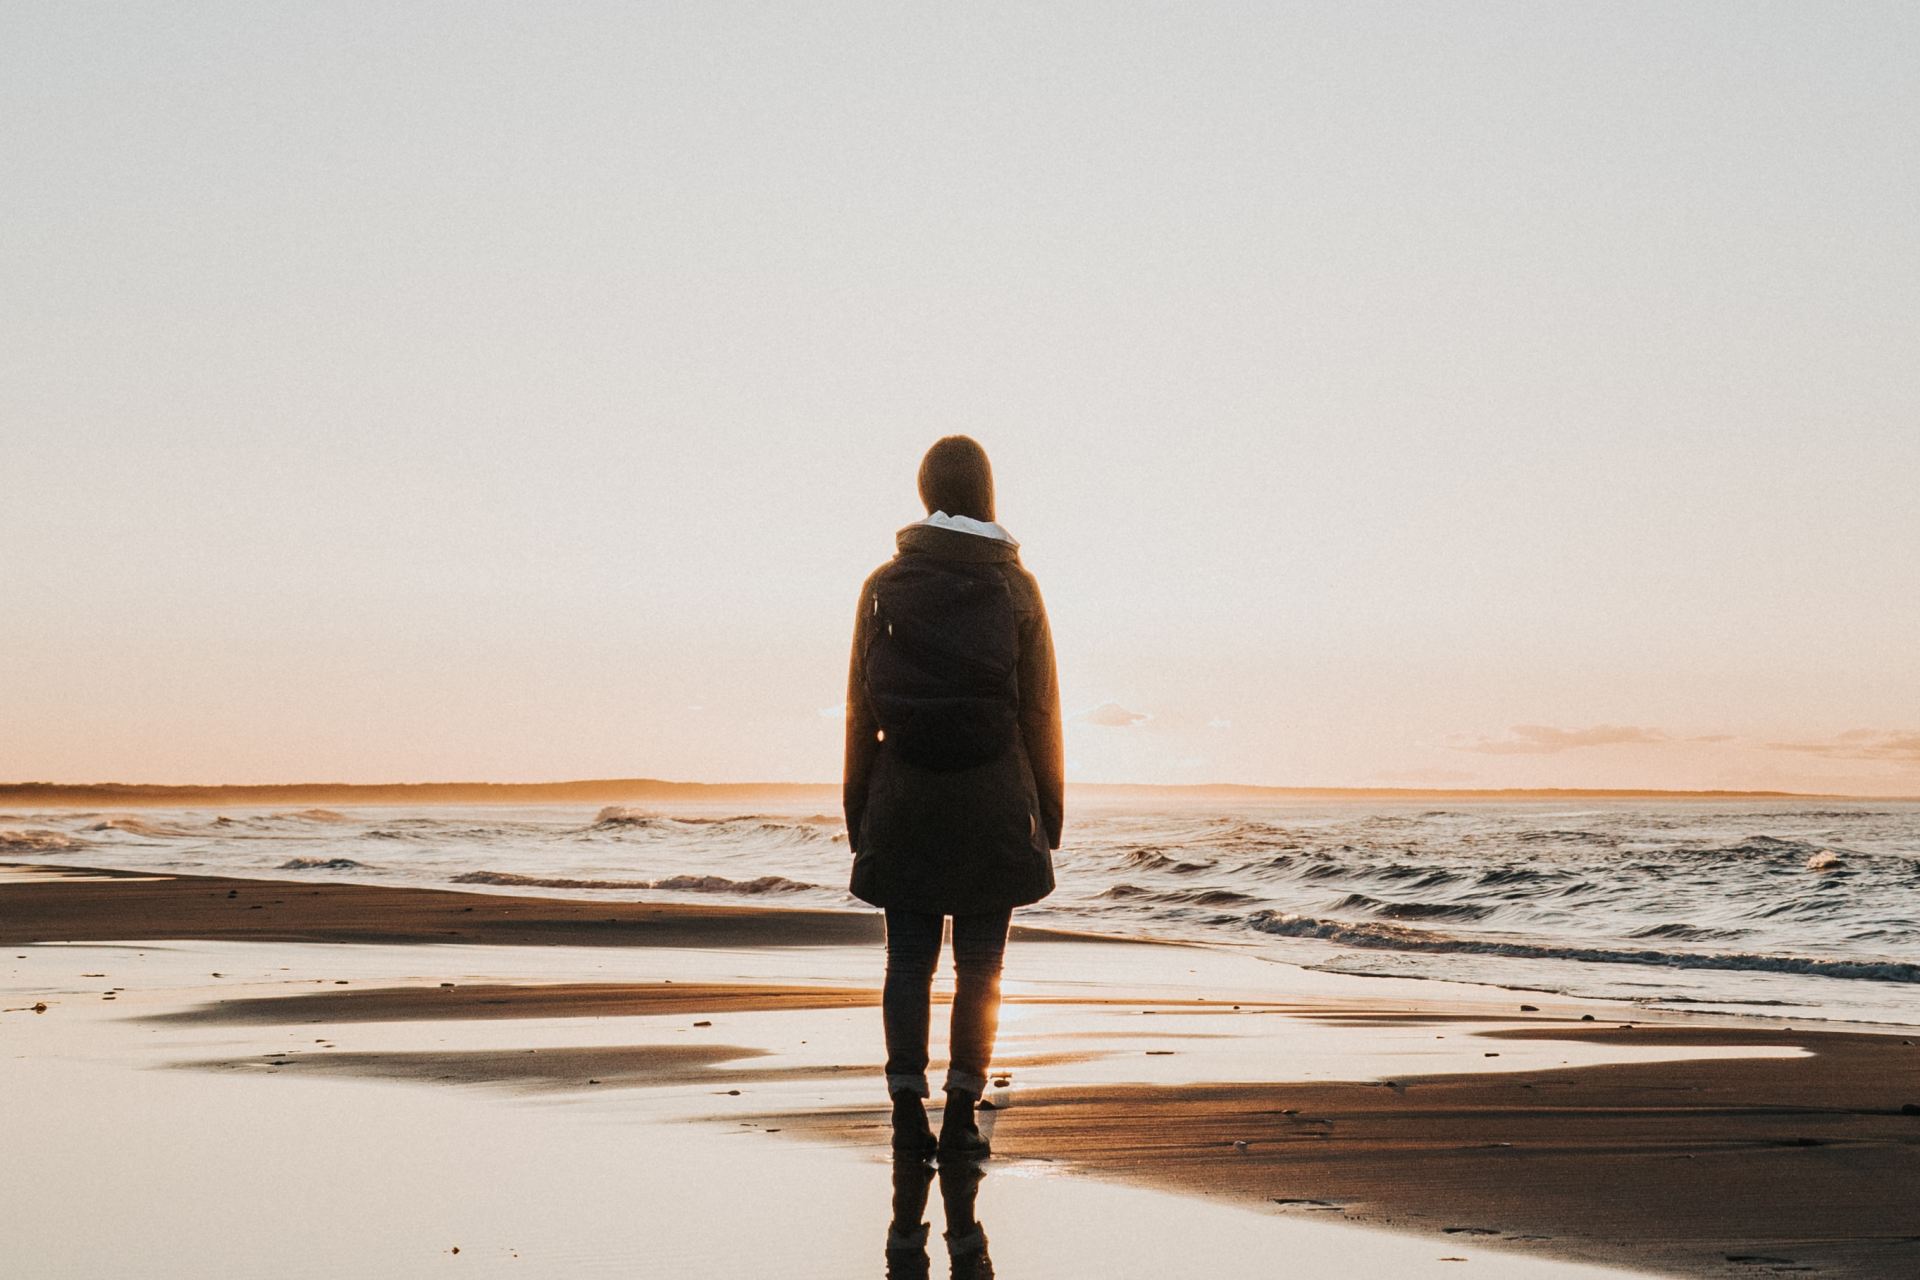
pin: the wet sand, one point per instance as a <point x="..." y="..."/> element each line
<point x="509" y="1000"/>
<point x="1712" y="1167"/>
<point x="1687" y="1146"/>
<point x="65" y="904"/>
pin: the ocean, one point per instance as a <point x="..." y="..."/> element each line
<point x="1780" y="908"/>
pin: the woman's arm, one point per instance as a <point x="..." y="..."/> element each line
<point x="861" y="727"/>
<point x="1040" y="718"/>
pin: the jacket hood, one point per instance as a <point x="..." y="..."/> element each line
<point x="967" y="524"/>
<point x="948" y="542"/>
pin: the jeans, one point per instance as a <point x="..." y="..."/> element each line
<point x="913" y="949"/>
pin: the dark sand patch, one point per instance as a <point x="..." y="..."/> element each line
<point x="590" y="1000"/>
<point x="1682" y="1166"/>
<point x="538" y="1070"/>
<point x="507" y="1000"/>
<point x="110" y="907"/>
<point x="567" y="1068"/>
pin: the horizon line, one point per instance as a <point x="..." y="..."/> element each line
<point x="590" y="789"/>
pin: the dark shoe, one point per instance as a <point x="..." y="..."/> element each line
<point x="912" y="1135"/>
<point x="908" y="1264"/>
<point x="960" y="1137"/>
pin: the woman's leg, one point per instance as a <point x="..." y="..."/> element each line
<point x="979" y="946"/>
<point x="907" y="1233"/>
<point x="913" y="947"/>
<point x="966" y="1238"/>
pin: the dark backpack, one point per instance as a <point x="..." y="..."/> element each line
<point x="942" y="662"/>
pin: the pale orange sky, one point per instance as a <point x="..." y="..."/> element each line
<point x="1494" y="395"/>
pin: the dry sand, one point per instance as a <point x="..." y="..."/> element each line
<point x="1693" y="1147"/>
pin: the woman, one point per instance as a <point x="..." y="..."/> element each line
<point x="954" y="777"/>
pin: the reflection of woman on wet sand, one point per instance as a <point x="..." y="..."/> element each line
<point x="907" y="1233"/>
<point x="954" y="777"/>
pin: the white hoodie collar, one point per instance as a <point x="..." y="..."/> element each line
<point x="967" y="524"/>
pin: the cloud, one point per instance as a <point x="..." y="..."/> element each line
<point x="1113" y="716"/>
<point x="1861" y="744"/>
<point x="1545" y="740"/>
<point x="1219" y="722"/>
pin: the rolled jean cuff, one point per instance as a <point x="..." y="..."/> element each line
<point x="916" y="1085"/>
<point x="966" y="1081"/>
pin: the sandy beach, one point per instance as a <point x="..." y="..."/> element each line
<point x="339" y="1078"/>
<point x="1341" y="562"/>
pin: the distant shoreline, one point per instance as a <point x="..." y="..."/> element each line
<point x="826" y="794"/>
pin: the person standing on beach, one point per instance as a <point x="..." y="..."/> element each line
<point x="955" y="779"/>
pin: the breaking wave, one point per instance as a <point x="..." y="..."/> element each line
<point x="1413" y="910"/>
<point x="807" y="829"/>
<point x="619" y="815"/>
<point x="323" y="864"/>
<point x="720" y="884"/>
<point x="139" y="827"/>
<point x="1151" y="859"/>
<point x="679" y="884"/>
<point x="37" y="842"/>
<point x="1397" y="938"/>
<point x="1181" y="897"/>
<point x="1686" y="933"/>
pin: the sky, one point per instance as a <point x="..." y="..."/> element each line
<point x="1384" y="395"/>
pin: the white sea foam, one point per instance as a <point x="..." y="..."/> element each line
<point x="673" y="884"/>
<point x="37" y="841"/>
<point x="1396" y="938"/>
<point x="132" y="826"/>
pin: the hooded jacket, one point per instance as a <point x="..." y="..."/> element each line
<point x="959" y="841"/>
